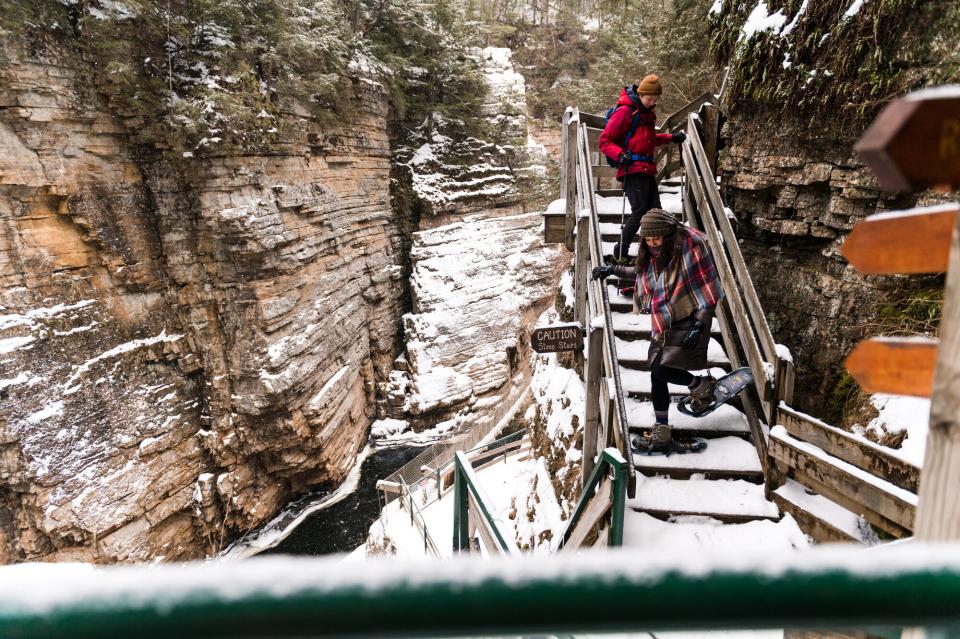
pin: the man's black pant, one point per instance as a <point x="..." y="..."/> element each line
<point x="642" y="194"/>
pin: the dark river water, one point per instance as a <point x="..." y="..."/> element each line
<point x="344" y="526"/>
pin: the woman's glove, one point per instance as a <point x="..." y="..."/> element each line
<point x="679" y="137"/>
<point x="601" y="273"/>
<point x="624" y="159"/>
<point x="692" y="338"/>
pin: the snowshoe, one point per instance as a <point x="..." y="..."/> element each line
<point x="682" y="444"/>
<point x="645" y="442"/>
<point x="700" y="404"/>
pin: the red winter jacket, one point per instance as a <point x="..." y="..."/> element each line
<point x="645" y="139"/>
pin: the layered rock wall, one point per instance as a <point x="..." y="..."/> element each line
<point x="183" y="345"/>
<point x="797" y="193"/>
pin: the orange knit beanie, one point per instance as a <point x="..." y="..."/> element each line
<point x="650" y="86"/>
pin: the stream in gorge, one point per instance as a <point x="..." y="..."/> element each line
<point x="343" y="526"/>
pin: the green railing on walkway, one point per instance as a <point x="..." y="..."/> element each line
<point x="613" y="590"/>
<point x="611" y="466"/>
<point x="471" y="511"/>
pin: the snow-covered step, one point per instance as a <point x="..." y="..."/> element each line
<point x="724" y="458"/>
<point x="723" y="422"/>
<point x="637" y="384"/>
<point x="633" y="354"/>
<point x="729" y="501"/>
<point x="821" y="518"/>
<point x="685" y="535"/>
<point x="630" y="325"/>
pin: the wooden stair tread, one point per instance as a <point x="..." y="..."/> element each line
<point x="726" y="518"/>
<point x="736" y="499"/>
<point x="724" y="458"/>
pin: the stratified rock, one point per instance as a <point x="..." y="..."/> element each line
<point x="184" y="345"/>
<point x="478" y="285"/>
<point x="797" y="194"/>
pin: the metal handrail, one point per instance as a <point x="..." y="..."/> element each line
<point x="416" y="516"/>
<point x="466" y="486"/>
<point x="610" y="461"/>
<point x="885" y="589"/>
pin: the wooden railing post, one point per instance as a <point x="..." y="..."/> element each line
<point x="571" y="124"/>
<point x="581" y="271"/>
<point x="591" y="422"/>
<point x="938" y="512"/>
<point x="710" y="120"/>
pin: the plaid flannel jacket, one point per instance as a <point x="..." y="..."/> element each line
<point x="690" y="283"/>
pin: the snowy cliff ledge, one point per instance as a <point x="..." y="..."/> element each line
<point x="479" y="278"/>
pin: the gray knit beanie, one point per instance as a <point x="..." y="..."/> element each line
<point x="657" y="223"/>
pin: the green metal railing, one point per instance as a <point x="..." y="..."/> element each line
<point x="611" y="466"/>
<point x="469" y="498"/>
<point x="613" y="590"/>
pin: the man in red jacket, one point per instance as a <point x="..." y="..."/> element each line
<point x="635" y="155"/>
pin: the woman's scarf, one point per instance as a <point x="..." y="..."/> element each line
<point x="688" y="283"/>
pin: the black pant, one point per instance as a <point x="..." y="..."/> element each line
<point x="642" y="194"/>
<point x="660" y="376"/>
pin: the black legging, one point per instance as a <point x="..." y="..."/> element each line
<point x="660" y="376"/>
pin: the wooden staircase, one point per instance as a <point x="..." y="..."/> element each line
<point x="750" y="474"/>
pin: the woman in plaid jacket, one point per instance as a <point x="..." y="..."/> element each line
<point x="677" y="283"/>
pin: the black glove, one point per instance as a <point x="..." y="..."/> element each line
<point x="624" y="159"/>
<point x="692" y="338"/>
<point x="679" y="137"/>
<point x="602" y="272"/>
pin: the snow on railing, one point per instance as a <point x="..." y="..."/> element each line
<point x="885" y="588"/>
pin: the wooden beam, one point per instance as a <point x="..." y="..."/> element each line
<point x="719" y="218"/>
<point x="599" y="505"/>
<point x="864" y="455"/>
<point x="895" y="365"/>
<point x="914" y="241"/>
<point x="883" y="508"/>
<point x="939" y="516"/>
<point x="570" y="171"/>
<point x="822" y="531"/>
<point x="591" y="421"/>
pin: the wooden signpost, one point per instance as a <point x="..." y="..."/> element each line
<point x="914" y="144"/>
<point x="900" y="366"/>
<point x="557" y="338"/>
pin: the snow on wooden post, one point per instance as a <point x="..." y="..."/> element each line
<point x="915" y="142"/>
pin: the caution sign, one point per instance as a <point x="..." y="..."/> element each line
<point x="557" y="338"/>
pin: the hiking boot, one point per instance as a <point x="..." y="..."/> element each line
<point x="654" y="440"/>
<point x="701" y="392"/>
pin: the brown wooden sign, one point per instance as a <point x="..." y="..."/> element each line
<point x="558" y="338"/>
<point x="916" y="241"/>
<point x="898" y="366"/>
<point x="914" y="143"/>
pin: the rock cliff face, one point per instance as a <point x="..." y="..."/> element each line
<point x="480" y="275"/>
<point x="183" y="346"/>
<point x="797" y="194"/>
